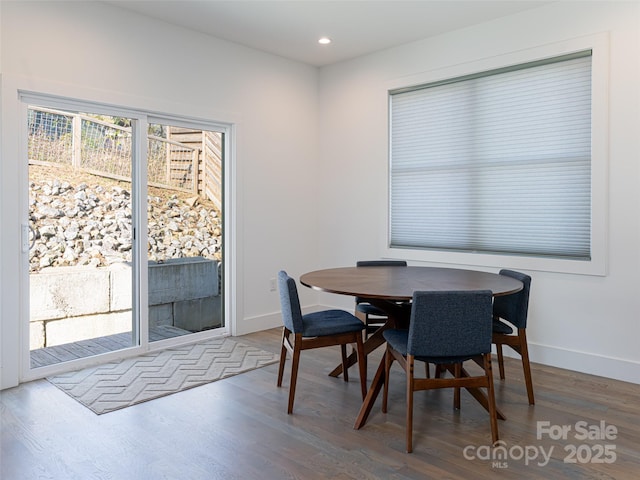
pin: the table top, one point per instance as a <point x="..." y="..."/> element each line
<point x="399" y="283"/>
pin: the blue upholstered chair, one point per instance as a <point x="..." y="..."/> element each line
<point x="446" y="328"/>
<point x="371" y="315"/>
<point x="315" y="330"/>
<point x="514" y="309"/>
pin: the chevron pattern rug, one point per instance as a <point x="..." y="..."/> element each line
<point x="113" y="386"/>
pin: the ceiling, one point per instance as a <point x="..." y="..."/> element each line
<point x="291" y="29"/>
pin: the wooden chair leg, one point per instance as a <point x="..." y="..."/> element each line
<point x="500" y="360"/>
<point x="364" y="318"/>
<point x="364" y="359"/>
<point x="388" y="360"/>
<point x="345" y="368"/>
<point x="410" y="361"/>
<point x="294" y="372"/>
<point x="493" y="415"/>
<point x="457" y="368"/>
<point x="526" y="366"/>
<point x="366" y="330"/>
<point x="362" y="364"/>
<point x="283" y="355"/>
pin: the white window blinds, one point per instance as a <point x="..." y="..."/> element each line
<point x="498" y="162"/>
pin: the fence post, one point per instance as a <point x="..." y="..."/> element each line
<point x="194" y="169"/>
<point x="168" y="169"/>
<point x="76" y="144"/>
<point x="202" y="179"/>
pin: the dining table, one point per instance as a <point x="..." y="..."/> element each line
<point x="391" y="288"/>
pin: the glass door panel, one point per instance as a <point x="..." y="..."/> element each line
<point x="80" y="227"/>
<point x="184" y="204"/>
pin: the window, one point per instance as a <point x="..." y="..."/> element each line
<point x="497" y="162"/>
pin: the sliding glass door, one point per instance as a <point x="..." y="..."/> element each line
<point x="123" y="233"/>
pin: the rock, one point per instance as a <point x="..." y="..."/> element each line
<point x="72" y="212"/>
<point x="92" y="225"/>
<point x="70" y="256"/>
<point x="46" y="261"/>
<point x="47" y="231"/>
<point x="71" y="233"/>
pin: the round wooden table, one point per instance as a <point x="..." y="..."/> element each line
<point x="399" y="283"/>
<point x="387" y="287"/>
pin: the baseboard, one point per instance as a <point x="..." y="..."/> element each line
<point x="584" y="362"/>
<point x="257" y="324"/>
<point x="271" y="320"/>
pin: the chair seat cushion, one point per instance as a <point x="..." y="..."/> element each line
<point x="330" y="322"/>
<point x="369" y="309"/>
<point x="398" y="339"/>
<point x="501" y="327"/>
<point x="373" y="310"/>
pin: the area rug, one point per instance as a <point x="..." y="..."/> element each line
<point x="117" y="385"/>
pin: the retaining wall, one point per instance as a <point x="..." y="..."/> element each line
<point x="68" y="304"/>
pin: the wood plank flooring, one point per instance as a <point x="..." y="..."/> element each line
<point x="238" y="428"/>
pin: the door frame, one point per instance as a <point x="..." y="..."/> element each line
<point x="141" y="119"/>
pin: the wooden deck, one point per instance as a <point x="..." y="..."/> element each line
<point x="86" y="348"/>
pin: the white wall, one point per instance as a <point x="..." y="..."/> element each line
<point x="586" y="323"/>
<point x="311" y="153"/>
<point x="96" y="52"/>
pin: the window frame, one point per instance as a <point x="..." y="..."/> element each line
<point x="597" y="265"/>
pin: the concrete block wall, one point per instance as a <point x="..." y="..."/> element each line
<point x="191" y="288"/>
<point x="69" y="292"/>
<point x="69" y="304"/>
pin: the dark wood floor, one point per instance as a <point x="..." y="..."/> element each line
<point x="237" y="428"/>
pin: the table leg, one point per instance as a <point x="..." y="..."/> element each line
<point x="372" y="394"/>
<point x="370" y="344"/>
<point x="397" y="317"/>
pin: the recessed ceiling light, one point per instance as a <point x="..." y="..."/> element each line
<point x="324" y="41"/>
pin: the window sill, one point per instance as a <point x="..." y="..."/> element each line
<point x="596" y="266"/>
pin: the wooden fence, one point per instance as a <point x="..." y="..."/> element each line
<point x="208" y="170"/>
<point x="186" y="160"/>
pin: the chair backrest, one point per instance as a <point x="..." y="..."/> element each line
<point x="514" y="308"/>
<point x="450" y="323"/>
<point x="381" y="263"/>
<point x="290" y="303"/>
